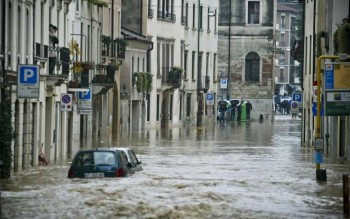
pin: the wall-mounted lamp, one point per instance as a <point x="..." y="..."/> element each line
<point x="211" y="13"/>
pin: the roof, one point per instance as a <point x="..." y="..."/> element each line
<point x="131" y="35"/>
<point x="289" y="7"/>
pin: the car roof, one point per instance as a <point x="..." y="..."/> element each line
<point x="97" y="150"/>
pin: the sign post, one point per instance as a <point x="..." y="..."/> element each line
<point x="28" y="84"/>
<point x="85" y="102"/>
<point x="321" y="174"/>
<point x="210" y="99"/>
<point x="66" y="102"/>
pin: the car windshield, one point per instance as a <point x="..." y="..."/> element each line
<point x="95" y="158"/>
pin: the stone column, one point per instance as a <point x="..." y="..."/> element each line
<point x="23" y="33"/>
<point x="64" y="135"/>
<point x="18" y="149"/>
<point x="27" y="135"/>
<point x="36" y="134"/>
<point x="14" y="48"/>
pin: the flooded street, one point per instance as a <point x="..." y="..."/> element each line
<point x="246" y="170"/>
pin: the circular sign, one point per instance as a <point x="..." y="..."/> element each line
<point x="66" y="99"/>
<point x="295" y="105"/>
<point x="210" y="97"/>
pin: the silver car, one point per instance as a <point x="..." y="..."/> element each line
<point x="132" y="158"/>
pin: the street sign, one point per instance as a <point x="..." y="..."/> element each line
<point x="223" y="83"/>
<point x="294" y="107"/>
<point x="337" y="102"/>
<point x="66" y="102"/>
<point x="210" y="99"/>
<point x="28" y="84"/>
<point x="336" y="75"/>
<point x="85" y="102"/>
<point x="314" y="109"/>
<point x="314" y="93"/>
<point x="297" y="97"/>
<point x="319" y="144"/>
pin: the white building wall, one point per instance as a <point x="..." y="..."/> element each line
<point x="308" y="72"/>
<point x="183" y="38"/>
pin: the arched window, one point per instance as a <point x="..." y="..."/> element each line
<point x="252" y="67"/>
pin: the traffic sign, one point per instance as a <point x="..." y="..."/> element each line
<point x="85" y="102"/>
<point x="85" y="95"/>
<point x="223" y="83"/>
<point x="314" y="109"/>
<point x="297" y="97"/>
<point x="294" y="107"/>
<point x="66" y="102"/>
<point x="319" y="144"/>
<point x="28" y="85"/>
<point x="210" y="99"/>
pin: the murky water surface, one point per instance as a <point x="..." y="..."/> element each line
<point x="253" y="170"/>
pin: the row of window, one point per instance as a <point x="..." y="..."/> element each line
<point x="166" y="11"/>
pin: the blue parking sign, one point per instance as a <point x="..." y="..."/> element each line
<point x="297" y="97"/>
<point x="28" y="81"/>
<point x="85" y="95"/>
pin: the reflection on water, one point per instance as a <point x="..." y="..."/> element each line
<point x="231" y="170"/>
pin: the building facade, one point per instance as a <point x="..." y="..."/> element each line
<point x="59" y="41"/>
<point x="246" y="53"/>
<point x="322" y="20"/>
<point x="287" y="69"/>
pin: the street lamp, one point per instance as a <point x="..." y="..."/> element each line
<point x="199" y="75"/>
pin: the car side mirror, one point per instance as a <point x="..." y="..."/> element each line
<point x="139" y="162"/>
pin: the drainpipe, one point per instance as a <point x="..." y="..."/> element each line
<point x="149" y="57"/>
<point x="112" y="29"/>
<point x="314" y="41"/>
<point x="229" y="53"/>
<point x="4" y="83"/>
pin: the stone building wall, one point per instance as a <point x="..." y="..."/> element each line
<point x="239" y="40"/>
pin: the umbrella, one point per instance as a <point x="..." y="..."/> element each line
<point x="228" y="103"/>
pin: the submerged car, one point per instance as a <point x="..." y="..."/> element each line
<point x="132" y="158"/>
<point x="100" y="162"/>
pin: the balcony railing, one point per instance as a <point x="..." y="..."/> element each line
<point x="150" y="13"/>
<point x="172" y="76"/>
<point x="166" y="16"/>
<point x="105" y="74"/>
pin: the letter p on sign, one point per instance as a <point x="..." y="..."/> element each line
<point x="28" y="74"/>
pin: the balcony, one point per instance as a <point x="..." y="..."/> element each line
<point x="150" y="13"/>
<point x="172" y="76"/>
<point x="104" y="79"/>
<point x="166" y="16"/>
<point x="183" y="20"/>
<point x="119" y="45"/>
<point x="105" y="74"/>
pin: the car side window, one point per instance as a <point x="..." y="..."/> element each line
<point x="79" y="160"/>
<point x="132" y="156"/>
<point x="84" y="158"/>
<point x="123" y="157"/>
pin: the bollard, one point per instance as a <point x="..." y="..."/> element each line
<point x="346" y="194"/>
<point x="261" y="117"/>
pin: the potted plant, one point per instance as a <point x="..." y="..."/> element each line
<point x="121" y="47"/>
<point x="106" y="41"/>
<point x="175" y="77"/>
